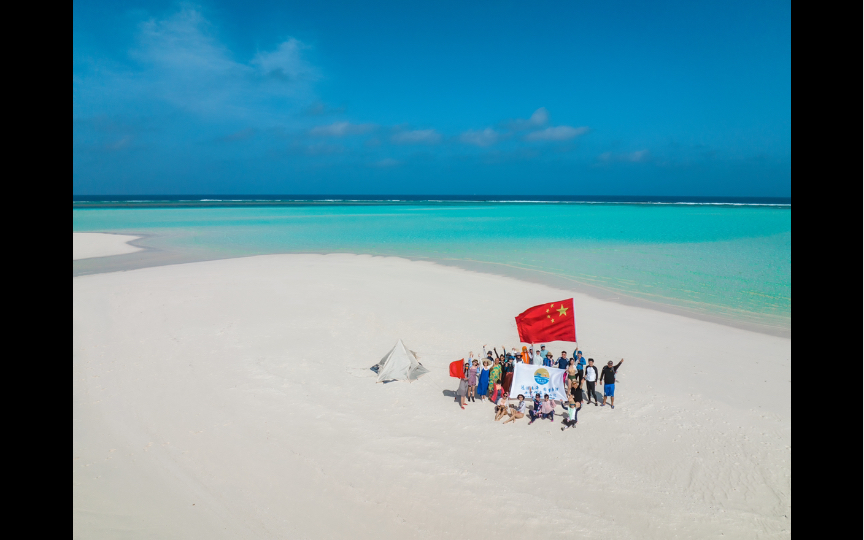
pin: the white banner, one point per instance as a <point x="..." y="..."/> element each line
<point x="529" y="379"/>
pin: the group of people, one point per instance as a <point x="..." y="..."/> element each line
<point x="490" y="377"/>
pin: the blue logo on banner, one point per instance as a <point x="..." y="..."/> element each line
<point x="541" y="376"/>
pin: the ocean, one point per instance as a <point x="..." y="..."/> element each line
<point x="723" y="258"/>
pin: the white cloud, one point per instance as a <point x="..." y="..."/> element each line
<point x="340" y="129"/>
<point x="179" y="62"/>
<point x="557" y="133"/>
<point x="539" y="118"/>
<point x="417" y="136"/>
<point x="486" y="137"/>
<point x="285" y="62"/>
<point x="632" y="157"/>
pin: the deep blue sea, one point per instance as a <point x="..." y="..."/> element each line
<point x="722" y="256"/>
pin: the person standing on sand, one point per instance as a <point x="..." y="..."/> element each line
<point x="483" y="382"/>
<point x="516" y="411"/>
<point x="472" y="380"/>
<point x="538" y="358"/>
<point x="607" y="377"/>
<point x="548" y="361"/>
<point x="463" y="388"/>
<point x="507" y="381"/>
<point x="526" y="358"/>
<point x="572" y="375"/>
<point x="591" y="380"/>
<point x="494" y="377"/>
<point x="580" y="362"/>
<point x="562" y="361"/>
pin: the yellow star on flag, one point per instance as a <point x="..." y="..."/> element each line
<point x="553" y="320"/>
<point x="562" y="310"/>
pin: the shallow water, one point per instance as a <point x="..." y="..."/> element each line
<point x="728" y="260"/>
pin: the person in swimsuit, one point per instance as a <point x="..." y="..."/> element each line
<point x="501" y="407"/>
<point x="572" y="375"/>
<point x="517" y="411"/>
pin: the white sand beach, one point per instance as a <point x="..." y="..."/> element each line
<point x="233" y="399"/>
<point x="90" y="245"/>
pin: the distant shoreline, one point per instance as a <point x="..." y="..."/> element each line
<point x="195" y="200"/>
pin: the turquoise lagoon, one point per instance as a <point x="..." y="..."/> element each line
<point x="729" y="261"/>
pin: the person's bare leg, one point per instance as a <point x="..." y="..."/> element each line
<point x="604" y="400"/>
<point x="513" y="417"/>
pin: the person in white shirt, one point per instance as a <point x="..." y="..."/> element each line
<point x="517" y="411"/>
<point x="590" y="381"/>
<point x="539" y="355"/>
<point x="501" y="406"/>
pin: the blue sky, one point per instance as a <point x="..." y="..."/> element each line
<point x="566" y="98"/>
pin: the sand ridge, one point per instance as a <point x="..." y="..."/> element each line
<point x="233" y="398"/>
<point x="91" y="245"/>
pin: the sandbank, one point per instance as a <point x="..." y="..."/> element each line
<point x="233" y="399"/>
<point x="92" y="245"/>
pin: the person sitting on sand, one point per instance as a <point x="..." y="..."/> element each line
<point x="547" y="409"/>
<point x="534" y="413"/>
<point x="517" y="411"/>
<point x="501" y="407"/>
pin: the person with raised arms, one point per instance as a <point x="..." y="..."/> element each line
<point x="607" y="377"/>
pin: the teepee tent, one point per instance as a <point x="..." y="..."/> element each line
<point x="400" y="364"/>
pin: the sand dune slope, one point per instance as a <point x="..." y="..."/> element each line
<point x="233" y="399"/>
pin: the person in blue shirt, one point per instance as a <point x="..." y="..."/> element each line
<point x="548" y="360"/>
<point x="563" y="361"/>
<point x="580" y="361"/>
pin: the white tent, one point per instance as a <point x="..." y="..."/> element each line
<point x="400" y="364"/>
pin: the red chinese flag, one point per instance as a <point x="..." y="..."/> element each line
<point x="457" y="369"/>
<point x="547" y="322"/>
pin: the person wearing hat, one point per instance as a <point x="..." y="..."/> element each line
<point x="607" y="377"/>
<point x="539" y="355"/>
<point x="580" y="362"/>
<point x="590" y="375"/>
<point x="570" y="418"/>
<point x="547" y="362"/>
